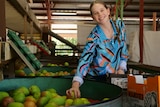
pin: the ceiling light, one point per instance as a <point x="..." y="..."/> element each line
<point x="83" y="12"/>
<point x="65" y="31"/>
<point x="138" y="19"/>
<point x="72" y="18"/>
<point x="64" y="26"/>
<point x="63" y="13"/>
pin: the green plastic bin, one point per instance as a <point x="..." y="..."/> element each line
<point x="90" y="89"/>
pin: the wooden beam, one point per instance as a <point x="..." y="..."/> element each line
<point x="31" y="29"/>
<point x="141" y="14"/>
<point x="154" y="21"/>
<point x="25" y="28"/>
<point x="48" y="6"/>
<point x="3" y="21"/>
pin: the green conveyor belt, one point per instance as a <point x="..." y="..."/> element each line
<point x="22" y="50"/>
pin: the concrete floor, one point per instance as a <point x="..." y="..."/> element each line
<point x="125" y="99"/>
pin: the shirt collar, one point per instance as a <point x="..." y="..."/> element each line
<point x="114" y="27"/>
<point x="100" y="31"/>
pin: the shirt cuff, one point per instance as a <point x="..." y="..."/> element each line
<point x="78" y="79"/>
<point x="123" y="65"/>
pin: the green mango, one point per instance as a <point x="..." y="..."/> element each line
<point x="15" y="104"/>
<point x="85" y="100"/>
<point x="46" y="94"/>
<point x="33" y="89"/>
<point x="3" y="94"/>
<point x="23" y="89"/>
<point x="77" y="102"/>
<point x="52" y="104"/>
<point x="59" y="100"/>
<point x="68" y="102"/>
<point x="37" y="95"/>
<point x="19" y="97"/>
<point x="52" y="90"/>
<point x="42" y="101"/>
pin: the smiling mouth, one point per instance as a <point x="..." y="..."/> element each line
<point x="101" y="18"/>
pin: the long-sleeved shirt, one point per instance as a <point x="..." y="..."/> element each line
<point x="102" y="55"/>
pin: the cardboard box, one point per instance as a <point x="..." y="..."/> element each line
<point x="143" y="91"/>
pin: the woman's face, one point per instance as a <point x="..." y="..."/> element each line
<point x="100" y="13"/>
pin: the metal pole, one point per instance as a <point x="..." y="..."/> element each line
<point x="141" y="14"/>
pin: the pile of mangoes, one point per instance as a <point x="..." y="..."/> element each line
<point x="54" y="64"/>
<point x="43" y="73"/>
<point x="33" y="96"/>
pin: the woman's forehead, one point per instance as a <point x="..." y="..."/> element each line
<point x="97" y="6"/>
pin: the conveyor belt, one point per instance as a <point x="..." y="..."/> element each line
<point x="74" y="47"/>
<point x="42" y="47"/>
<point x="143" y="67"/>
<point x="22" y="50"/>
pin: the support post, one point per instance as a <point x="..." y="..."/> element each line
<point x="25" y="28"/>
<point x="141" y="14"/>
<point x="3" y="20"/>
<point x="154" y="21"/>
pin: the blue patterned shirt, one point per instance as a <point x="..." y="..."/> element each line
<point x="102" y="55"/>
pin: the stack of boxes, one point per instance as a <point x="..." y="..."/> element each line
<point x="144" y="91"/>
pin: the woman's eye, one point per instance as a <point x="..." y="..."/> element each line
<point x="102" y="10"/>
<point x="95" y="13"/>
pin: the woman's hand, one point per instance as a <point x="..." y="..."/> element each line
<point x="120" y="71"/>
<point x="74" y="92"/>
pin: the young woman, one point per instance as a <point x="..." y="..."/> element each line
<point x="106" y="50"/>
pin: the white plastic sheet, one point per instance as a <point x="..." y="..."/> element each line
<point x="151" y="49"/>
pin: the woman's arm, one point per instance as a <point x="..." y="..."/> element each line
<point x="124" y="54"/>
<point x="74" y="91"/>
<point x="86" y="58"/>
<point x="83" y="66"/>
